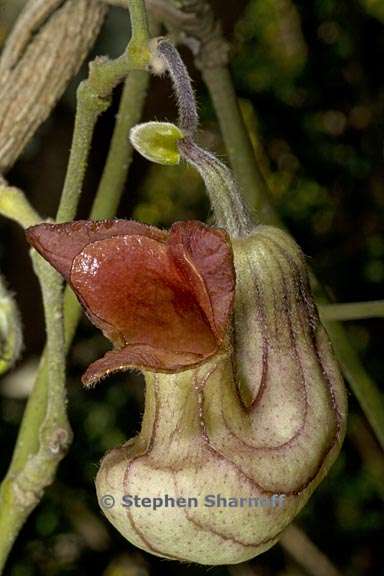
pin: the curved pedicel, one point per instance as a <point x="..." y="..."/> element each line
<point x="268" y="419"/>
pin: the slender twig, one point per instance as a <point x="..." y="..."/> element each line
<point x="47" y="433"/>
<point x="352" y="310"/>
<point x="236" y="139"/>
<point x="14" y="205"/>
<point x="370" y="453"/>
<point x="361" y="383"/>
<point x="94" y="97"/>
<point x="301" y="549"/>
<point x="120" y="151"/>
<point x="87" y="111"/>
<point x="105" y="205"/>
<point x="306" y="554"/>
<point x="140" y="28"/>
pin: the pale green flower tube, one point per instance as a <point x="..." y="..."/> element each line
<point x="263" y="422"/>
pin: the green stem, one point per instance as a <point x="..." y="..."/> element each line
<point x="94" y="97"/>
<point x="49" y="433"/>
<point x="306" y="553"/>
<point x="15" y="206"/>
<point x="120" y="151"/>
<point x="238" y="144"/>
<point x="88" y="109"/>
<point x="139" y="23"/>
<point x="370" y="453"/>
<point x="104" y="206"/>
<point x="352" y="310"/>
<point x="362" y="385"/>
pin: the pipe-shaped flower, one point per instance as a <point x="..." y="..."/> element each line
<point x="252" y="409"/>
<point x="163" y="299"/>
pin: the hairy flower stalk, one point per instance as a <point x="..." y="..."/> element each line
<point x="229" y="210"/>
<point x="245" y="406"/>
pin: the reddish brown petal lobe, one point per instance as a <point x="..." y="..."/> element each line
<point x="133" y="291"/>
<point x="140" y="356"/>
<point x="204" y="256"/>
<point x="163" y="299"/>
<point x="60" y="243"/>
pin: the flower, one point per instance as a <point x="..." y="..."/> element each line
<point x="248" y="407"/>
<point x="163" y="298"/>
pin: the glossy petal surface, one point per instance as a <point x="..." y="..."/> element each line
<point x="60" y="243"/>
<point x="163" y="299"/>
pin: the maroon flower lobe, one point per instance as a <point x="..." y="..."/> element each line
<point x="163" y="299"/>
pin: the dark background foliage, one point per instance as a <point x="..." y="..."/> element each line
<point x="309" y="78"/>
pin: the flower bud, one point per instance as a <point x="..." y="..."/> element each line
<point x="11" y="339"/>
<point x="157" y="141"/>
<point x="262" y="424"/>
